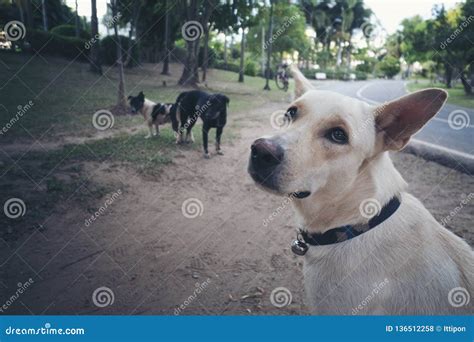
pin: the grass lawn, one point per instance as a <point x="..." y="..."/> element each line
<point x="65" y="95"/>
<point x="456" y="94"/>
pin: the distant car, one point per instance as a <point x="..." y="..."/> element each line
<point x="320" y="76"/>
<point x="352" y="77"/>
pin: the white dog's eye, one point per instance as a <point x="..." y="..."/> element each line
<point x="337" y="135"/>
<point x="291" y="113"/>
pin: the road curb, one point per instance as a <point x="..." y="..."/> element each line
<point x="462" y="164"/>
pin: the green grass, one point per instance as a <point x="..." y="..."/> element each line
<point x="66" y="95"/>
<point x="44" y="190"/>
<point x="457" y="95"/>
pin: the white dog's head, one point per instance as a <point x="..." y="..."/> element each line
<point x="330" y="138"/>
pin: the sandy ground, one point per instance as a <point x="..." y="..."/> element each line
<point x="154" y="259"/>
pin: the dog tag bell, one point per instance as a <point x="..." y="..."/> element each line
<point x="299" y="247"/>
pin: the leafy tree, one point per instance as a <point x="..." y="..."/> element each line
<point x="288" y="31"/>
<point x="389" y="66"/>
<point x="413" y="41"/>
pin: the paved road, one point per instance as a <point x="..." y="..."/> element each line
<point x="438" y="133"/>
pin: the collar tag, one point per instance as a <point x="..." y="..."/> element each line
<point x="299" y="247"/>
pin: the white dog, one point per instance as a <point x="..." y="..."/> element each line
<point x="155" y="114"/>
<point x="369" y="247"/>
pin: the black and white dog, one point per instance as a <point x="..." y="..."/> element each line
<point x="194" y="104"/>
<point x="155" y="114"/>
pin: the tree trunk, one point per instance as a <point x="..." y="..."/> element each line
<point x="77" y="22"/>
<point x="339" y="53"/>
<point x="45" y="16"/>
<point x="133" y="27"/>
<point x="197" y="46"/>
<point x="188" y="77"/>
<point x="210" y="4"/>
<point x="205" y="54"/>
<point x="225" y="49"/>
<point x="262" y="66"/>
<point x="94" y="56"/>
<point x="26" y="12"/>
<point x="349" y="52"/>
<point x="242" y="57"/>
<point x="121" y="101"/>
<point x="466" y="84"/>
<point x="449" y="75"/>
<point x="166" y="60"/>
<point x="269" y="49"/>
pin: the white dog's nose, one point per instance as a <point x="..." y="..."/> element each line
<point x="266" y="155"/>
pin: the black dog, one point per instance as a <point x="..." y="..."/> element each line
<point x="211" y="108"/>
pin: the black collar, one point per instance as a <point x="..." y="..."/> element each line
<point x="339" y="234"/>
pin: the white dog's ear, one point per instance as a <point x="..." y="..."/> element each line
<point x="398" y="120"/>
<point x="302" y="85"/>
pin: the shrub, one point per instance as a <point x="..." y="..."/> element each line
<point x="250" y="68"/>
<point x="361" y="75"/>
<point x="211" y="57"/>
<point x="309" y="73"/>
<point x="178" y="54"/>
<point x="52" y="44"/>
<point x="108" y="50"/>
<point x="389" y="66"/>
<point x="228" y="66"/>
<point x="70" y="31"/>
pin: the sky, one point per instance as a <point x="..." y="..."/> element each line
<point x="389" y="12"/>
<point x="392" y="12"/>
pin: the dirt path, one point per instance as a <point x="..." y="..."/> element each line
<point x="153" y="258"/>
<point x="60" y="141"/>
